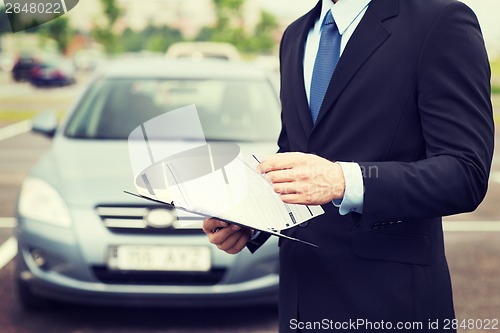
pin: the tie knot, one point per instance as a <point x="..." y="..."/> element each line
<point x="329" y="18"/>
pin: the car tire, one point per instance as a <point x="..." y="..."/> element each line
<point x="28" y="300"/>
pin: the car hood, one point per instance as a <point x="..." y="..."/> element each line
<point x="91" y="172"/>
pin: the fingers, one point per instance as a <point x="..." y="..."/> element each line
<point x="288" y="175"/>
<point x="210" y="225"/>
<point x="240" y="244"/>
<point x="229" y="238"/>
<point x="235" y="243"/>
<point x="289" y="188"/>
<point x="279" y="162"/>
<point x="297" y="198"/>
<point x="219" y="236"/>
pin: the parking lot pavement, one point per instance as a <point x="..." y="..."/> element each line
<point x="83" y="319"/>
<point x="473" y="259"/>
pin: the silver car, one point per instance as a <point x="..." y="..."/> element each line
<point x="82" y="239"/>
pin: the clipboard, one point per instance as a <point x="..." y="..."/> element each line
<point x="173" y="206"/>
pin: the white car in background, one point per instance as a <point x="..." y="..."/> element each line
<point x="198" y="51"/>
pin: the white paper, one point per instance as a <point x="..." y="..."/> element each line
<point x="238" y="193"/>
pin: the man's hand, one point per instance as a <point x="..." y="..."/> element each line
<point x="304" y="178"/>
<point x="229" y="238"/>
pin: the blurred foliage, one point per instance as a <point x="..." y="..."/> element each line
<point x="226" y="11"/>
<point x="104" y="34"/>
<point x="230" y="28"/>
<point x="263" y="38"/>
<point x="58" y="30"/>
<point x="495" y="77"/>
<point x="205" y="34"/>
<point x="111" y="10"/>
<point x="107" y="38"/>
<point x="152" y="38"/>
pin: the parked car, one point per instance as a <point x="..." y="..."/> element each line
<point x="203" y="50"/>
<point x="73" y="214"/>
<point x="52" y="71"/>
<point x="21" y="71"/>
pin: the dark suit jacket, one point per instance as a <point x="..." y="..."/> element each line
<point x="410" y="102"/>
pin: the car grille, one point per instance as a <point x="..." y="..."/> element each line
<point x="210" y="278"/>
<point x="133" y="219"/>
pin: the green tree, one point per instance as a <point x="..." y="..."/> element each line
<point x="59" y="30"/>
<point x="112" y="11"/>
<point x="230" y="28"/>
<point x="206" y="34"/>
<point x="151" y="38"/>
<point x="104" y="34"/>
<point x="267" y="25"/>
<point x="263" y="39"/>
<point x="107" y="38"/>
<point x="160" y="38"/>
<point x="131" y="41"/>
<point x="228" y="10"/>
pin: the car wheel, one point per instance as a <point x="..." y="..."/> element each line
<point x="28" y="300"/>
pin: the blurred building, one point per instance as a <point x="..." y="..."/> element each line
<point x="86" y="14"/>
<point x="187" y="16"/>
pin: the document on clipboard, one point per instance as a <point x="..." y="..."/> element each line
<point x="217" y="180"/>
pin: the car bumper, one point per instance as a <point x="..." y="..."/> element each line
<point x="69" y="278"/>
<point x="261" y="291"/>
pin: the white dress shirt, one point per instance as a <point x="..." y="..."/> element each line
<point x="347" y="15"/>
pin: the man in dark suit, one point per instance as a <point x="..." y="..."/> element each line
<point x="400" y="135"/>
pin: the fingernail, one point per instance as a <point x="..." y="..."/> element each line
<point x="235" y="227"/>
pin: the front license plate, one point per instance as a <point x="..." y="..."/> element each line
<point x="160" y="258"/>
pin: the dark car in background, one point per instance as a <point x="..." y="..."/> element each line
<point x="52" y="71"/>
<point x="44" y="69"/>
<point x="21" y="71"/>
<point x="82" y="239"/>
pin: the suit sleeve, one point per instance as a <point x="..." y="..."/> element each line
<point x="453" y="81"/>
<point x="283" y="142"/>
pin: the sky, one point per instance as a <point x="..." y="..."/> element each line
<point x="486" y="10"/>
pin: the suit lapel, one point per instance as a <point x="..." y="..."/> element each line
<point x="298" y="68"/>
<point x="367" y="38"/>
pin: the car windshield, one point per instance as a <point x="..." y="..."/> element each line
<point x="232" y="110"/>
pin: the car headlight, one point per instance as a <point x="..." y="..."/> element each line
<point x="40" y="201"/>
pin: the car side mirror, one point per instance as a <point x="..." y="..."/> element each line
<point x="45" y="123"/>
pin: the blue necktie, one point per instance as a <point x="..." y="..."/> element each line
<point x="326" y="60"/>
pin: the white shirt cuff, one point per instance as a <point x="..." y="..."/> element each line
<point x="354" y="189"/>
<point x="255" y="235"/>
